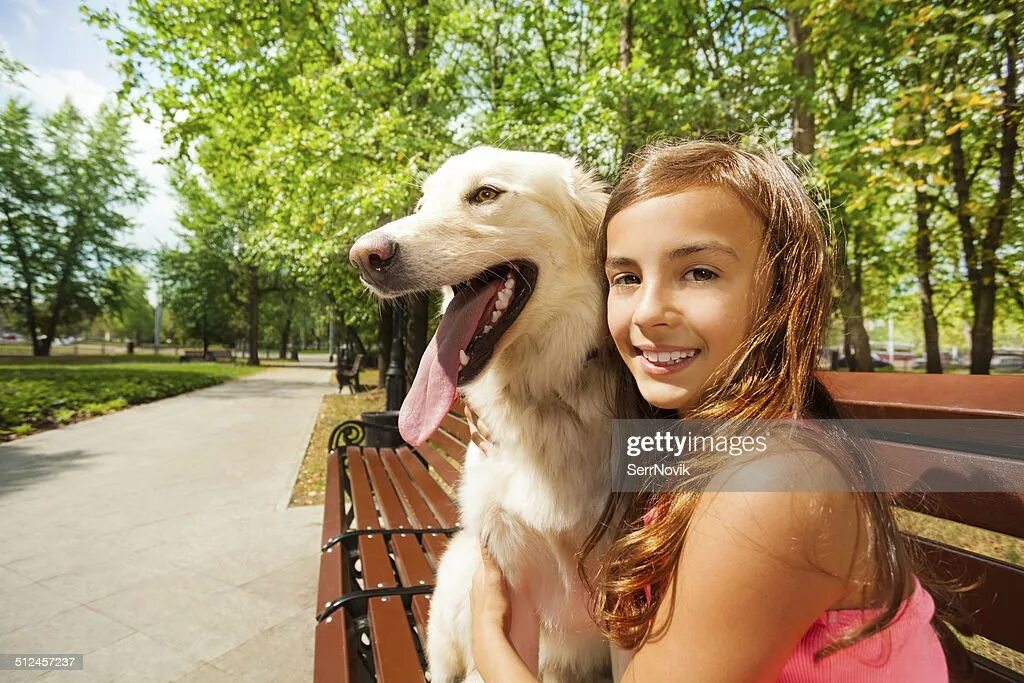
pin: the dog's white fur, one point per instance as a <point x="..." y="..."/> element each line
<point x="538" y="493"/>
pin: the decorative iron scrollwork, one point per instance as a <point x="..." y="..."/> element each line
<point x="352" y="433"/>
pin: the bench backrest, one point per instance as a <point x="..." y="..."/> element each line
<point x="997" y="601"/>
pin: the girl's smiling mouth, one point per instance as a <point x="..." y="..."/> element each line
<point x="664" y="360"/>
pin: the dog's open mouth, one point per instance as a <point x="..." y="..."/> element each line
<point x="483" y="309"/>
<point x="507" y="289"/>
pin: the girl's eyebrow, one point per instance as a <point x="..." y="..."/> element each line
<point x="680" y="252"/>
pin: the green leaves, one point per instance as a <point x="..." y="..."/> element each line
<point x="65" y="186"/>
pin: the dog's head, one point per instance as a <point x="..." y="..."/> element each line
<point x="512" y="239"/>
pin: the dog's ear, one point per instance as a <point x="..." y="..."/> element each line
<point x="589" y="195"/>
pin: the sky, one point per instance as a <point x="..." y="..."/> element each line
<point x="68" y="58"/>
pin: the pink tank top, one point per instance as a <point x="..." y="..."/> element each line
<point x="908" y="650"/>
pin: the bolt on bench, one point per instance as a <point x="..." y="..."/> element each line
<point x="389" y="512"/>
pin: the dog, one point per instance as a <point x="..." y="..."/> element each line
<point x="511" y="238"/>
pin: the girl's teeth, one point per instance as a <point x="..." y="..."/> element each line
<point x="669" y="357"/>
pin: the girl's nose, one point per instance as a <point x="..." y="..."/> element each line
<point x="655" y="306"/>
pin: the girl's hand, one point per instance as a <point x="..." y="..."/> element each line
<point x="478" y="431"/>
<point x="489" y="605"/>
<point x="488" y="599"/>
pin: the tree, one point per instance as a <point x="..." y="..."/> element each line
<point x="126" y="309"/>
<point x="63" y="206"/>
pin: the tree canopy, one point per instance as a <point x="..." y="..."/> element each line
<point x="322" y="117"/>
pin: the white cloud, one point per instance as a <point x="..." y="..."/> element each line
<point x="48" y="88"/>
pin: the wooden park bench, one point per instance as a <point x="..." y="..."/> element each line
<point x="349" y="377"/>
<point x="213" y="355"/>
<point x="388" y="514"/>
<point x="380" y="551"/>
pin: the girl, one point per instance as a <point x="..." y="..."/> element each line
<point x="719" y="290"/>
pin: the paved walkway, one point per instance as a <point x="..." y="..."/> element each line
<point x="157" y="542"/>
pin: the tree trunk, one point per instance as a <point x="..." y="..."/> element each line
<point x="625" y="61"/>
<point x="253" y="315"/>
<point x="982" y="337"/>
<point x="856" y="343"/>
<point x="980" y="254"/>
<point x="386" y="332"/>
<point x="803" y="67"/>
<point x="205" y="334"/>
<point x="28" y="284"/>
<point x="923" y="253"/>
<point x="282" y="351"/>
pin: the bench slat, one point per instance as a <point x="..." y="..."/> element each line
<point x="899" y="395"/>
<point x="454" y="448"/>
<point x="995" y="602"/>
<point x="395" y="655"/>
<point x="987" y="671"/>
<point x="394" y="651"/>
<point x="443" y="468"/>
<point x="999" y="512"/>
<point x="457" y="427"/>
<point x="413" y="567"/>
<point x="417" y="506"/>
<point x="332" y="663"/>
<point x="440" y="503"/>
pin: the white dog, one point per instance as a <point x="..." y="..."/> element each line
<point x="512" y="238"/>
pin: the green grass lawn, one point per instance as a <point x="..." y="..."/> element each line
<point x="40" y="394"/>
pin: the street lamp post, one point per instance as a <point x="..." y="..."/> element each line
<point x="395" y="377"/>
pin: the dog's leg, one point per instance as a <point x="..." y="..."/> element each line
<point x="449" y="655"/>
<point x="525" y="558"/>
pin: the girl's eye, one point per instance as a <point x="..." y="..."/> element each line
<point x="700" y="275"/>
<point x="617" y="280"/>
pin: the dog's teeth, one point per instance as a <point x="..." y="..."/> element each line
<point x="495" y="314"/>
<point x="502" y="303"/>
<point x="463" y="357"/>
<point x="487" y="328"/>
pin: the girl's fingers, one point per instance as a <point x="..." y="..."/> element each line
<point x="478" y="433"/>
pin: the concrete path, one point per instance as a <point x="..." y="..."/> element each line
<point x="157" y="542"/>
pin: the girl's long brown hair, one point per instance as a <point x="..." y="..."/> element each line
<point x="770" y="376"/>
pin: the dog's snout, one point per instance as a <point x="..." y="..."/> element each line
<point x="372" y="253"/>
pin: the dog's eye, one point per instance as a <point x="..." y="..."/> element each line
<point x="485" y="194"/>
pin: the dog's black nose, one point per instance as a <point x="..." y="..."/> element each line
<point x="372" y="253"/>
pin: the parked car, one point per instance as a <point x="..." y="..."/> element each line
<point x="1007" y="362"/>
<point x="875" y="361"/>
<point x="921" y="362"/>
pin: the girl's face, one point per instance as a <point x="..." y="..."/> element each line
<point x="683" y="289"/>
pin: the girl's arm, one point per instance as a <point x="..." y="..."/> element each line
<point x="757" y="569"/>
<point x="495" y="658"/>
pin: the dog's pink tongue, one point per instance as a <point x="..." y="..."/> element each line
<point x="433" y="391"/>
